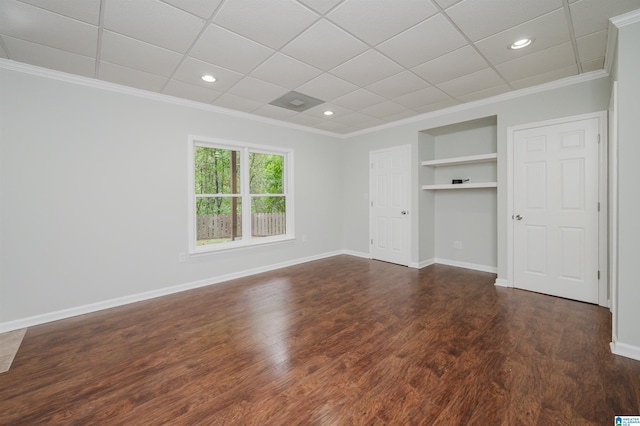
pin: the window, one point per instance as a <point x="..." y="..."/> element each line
<point x="239" y="194"/>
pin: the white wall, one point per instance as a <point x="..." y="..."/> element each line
<point x="93" y="190"/>
<point x="628" y="310"/>
<point x="93" y="202"/>
<point x="580" y="98"/>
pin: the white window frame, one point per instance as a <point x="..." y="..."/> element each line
<point x="245" y="195"/>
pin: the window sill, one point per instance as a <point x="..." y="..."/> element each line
<point x="239" y="245"/>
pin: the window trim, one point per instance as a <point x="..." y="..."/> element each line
<point x="244" y="148"/>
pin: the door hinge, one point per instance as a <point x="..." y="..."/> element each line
<point x="598" y="274"/>
<point x="598" y="137"/>
<point x="372" y="165"/>
<point x="372" y="204"/>
<point x="371" y="241"/>
<point x="598" y="205"/>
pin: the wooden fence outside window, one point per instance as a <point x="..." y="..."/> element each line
<point x="212" y="227"/>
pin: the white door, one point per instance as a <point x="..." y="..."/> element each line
<point x="389" y="179"/>
<point x="555" y="203"/>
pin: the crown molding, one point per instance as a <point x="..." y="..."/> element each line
<point x="161" y="97"/>
<point x="612" y="34"/>
<point x="568" y="81"/>
<point x="626" y="19"/>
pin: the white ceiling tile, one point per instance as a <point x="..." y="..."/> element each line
<point x="593" y="65"/>
<point x="426" y="41"/>
<point x="153" y="22"/>
<point x="238" y="103"/>
<point x="132" y="53"/>
<point x="373" y="61"/>
<point x="324" y="46"/>
<point x="374" y="21"/>
<point x="589" y="16"/>
<point x="437" y="106"/>
<point x="83" y="10"/>
<point x="331" y="126"/>
<point x="554" y="58"/>
<point x="305" y="120"/>
<point x="452" y="65"/>
<point x="326" y="87"/>
<point x="446" y="3"/>
<point x="130" y="77"/>
<point x="228" y="50"/>
<point x="258" y="90"/>
<point x="351" y="129"/>
<point x="474" y="82"/>
<point x="384" y="109"/>
<point x="318" y="111"/>
<point x="201" y="8"/>
<point x="547" y="31"/>
<point x="274" y="112"/>
<point x="354" y="119"/>
<point x="40" y="26"/>
<point x="273" y="22"/>
<point x="190" y="91"/>
<point x="545" y="77"/>
<point x="401" y="116"/>
<point x="427" y="96"/>
<point x="366" y="124"/>
<point x="398" y="85"/>
<point x="592" y="46"/>
<point x="367" y="68"/>
<point x="192" y="70"/>
<point x="48" y="57"/>
<point x="321" y="6"/>
<point x="486" y="93"/>
<point x="481" y="18"/>
<point x="285" y="71"/>
<point x="360" y="99"/>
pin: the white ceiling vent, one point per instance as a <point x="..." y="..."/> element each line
<point x="295" y="101"/>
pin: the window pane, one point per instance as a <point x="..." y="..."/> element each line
<point x="265" y="173"/>
<point x="218" y="220"/>
<point x="268" y="216"/>
<point x="217" y="171"/>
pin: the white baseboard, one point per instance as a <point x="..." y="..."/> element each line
<point x="465" y="265"/>
<point x="112" y="303"/>
<point x="357" y="254"/>
<point x="628" y="351"/>
<point x="500" y="282"/>
<point x="423" y="264"/>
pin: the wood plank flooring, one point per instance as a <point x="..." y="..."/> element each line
<point x="338" y="341"/>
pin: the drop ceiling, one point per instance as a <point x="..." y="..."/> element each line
<point x="371" y="61"/>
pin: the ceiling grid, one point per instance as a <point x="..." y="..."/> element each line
<point x="372" y="62"/>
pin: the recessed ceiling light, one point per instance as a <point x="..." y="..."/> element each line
<point x="523" y="42"/>
<point x="328" y="113"/>
<point x="208" y="78"/>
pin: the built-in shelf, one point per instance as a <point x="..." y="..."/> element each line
<point x="462" y="186"/>
<point x="482" y="158"/>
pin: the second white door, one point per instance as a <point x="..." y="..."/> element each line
<point x="555" y="205"/>
<point x="389" y="178"/>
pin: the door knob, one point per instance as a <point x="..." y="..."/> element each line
<point x="403" y="212"/>
<point x="518" y="217"/>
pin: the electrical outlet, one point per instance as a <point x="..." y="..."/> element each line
<point x="457" y="245"/>
<point x="182" y="257"/>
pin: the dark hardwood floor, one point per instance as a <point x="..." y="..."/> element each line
<point x="338" y="341"/>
